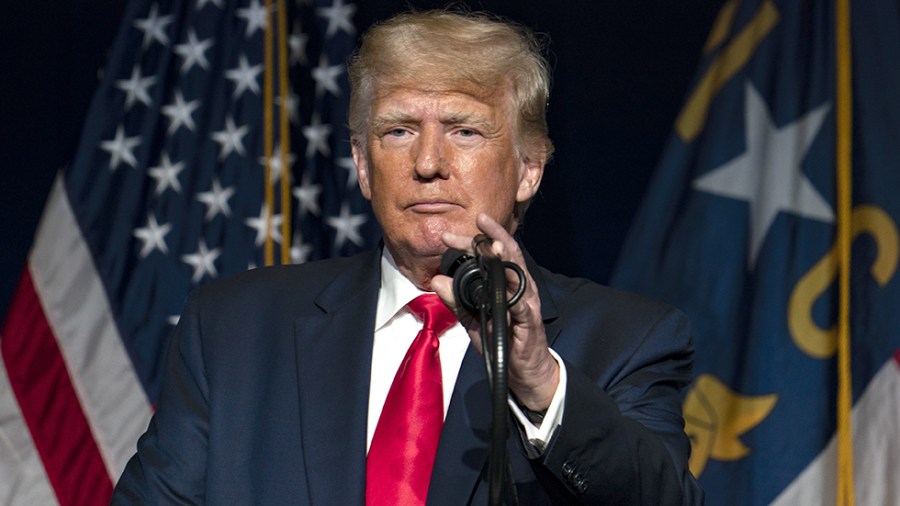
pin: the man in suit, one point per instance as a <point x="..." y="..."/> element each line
<point x="277" y="378"/>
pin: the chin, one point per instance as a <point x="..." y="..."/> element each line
<point x="427" y="235"/>
<point x="430" y="248"/>
<point x="419" y="246"/>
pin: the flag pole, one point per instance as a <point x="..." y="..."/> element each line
<point x="843" y="148"/>
<point x="285" y="133"/>
<point x="268" y="84"/>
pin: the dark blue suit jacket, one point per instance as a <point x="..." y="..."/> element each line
<point x="267" y="382"/>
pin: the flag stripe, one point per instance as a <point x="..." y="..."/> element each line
<point x="41" y="383"/>
<point x="24" y="481"/>
<point x="118" y="411"/>
<point x="876" y="436"/>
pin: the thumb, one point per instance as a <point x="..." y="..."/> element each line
<point x="443" y="287"/>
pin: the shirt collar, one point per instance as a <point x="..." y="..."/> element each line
<point x="395" y="293"/>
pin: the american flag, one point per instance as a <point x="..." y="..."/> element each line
<point x="166" y="192"/>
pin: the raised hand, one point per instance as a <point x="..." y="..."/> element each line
<point x="533" y="372"/>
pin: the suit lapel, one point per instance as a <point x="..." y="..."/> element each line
<point x="549" y="311"/>
<point x="462" y="451"/>
<point x="334" y="355"/>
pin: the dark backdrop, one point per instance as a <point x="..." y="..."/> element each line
<point x="621" y="69"/>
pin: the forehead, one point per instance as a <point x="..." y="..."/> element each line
<point x="437" y="97"/>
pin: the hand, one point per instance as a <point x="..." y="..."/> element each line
<point x="533" y="372"/>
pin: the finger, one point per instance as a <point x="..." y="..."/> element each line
<point x="456" y="241"/>
<point x="443" y="287"/>
<point x="504" y="246"/>
<point x="507" y="249"/>
<point x="493" y="229"/>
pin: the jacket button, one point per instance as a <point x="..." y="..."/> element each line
<point x="580" y="484"/>
<point x="567" y="470"/>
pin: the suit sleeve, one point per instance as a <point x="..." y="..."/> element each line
<point x="170" y="464"/>
<point x="623" y="442"/>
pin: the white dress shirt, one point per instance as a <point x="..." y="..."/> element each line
<point x="396" y="328"/>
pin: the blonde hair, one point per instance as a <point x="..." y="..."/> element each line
<point x="450" y="47"/>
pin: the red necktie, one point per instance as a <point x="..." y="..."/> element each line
<point x="398" y="468"/>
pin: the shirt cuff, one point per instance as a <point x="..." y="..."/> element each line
<point x="539" y="436"/>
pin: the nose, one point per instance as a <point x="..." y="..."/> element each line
<point x="430" y="162"/>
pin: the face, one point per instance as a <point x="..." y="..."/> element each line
<point x="434" y="159"/>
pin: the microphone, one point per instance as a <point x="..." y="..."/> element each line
<point x="470" y="276"/>
<point x="480" y="287"/>
<point x="468" y="280"/>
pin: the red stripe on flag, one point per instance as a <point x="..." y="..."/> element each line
<point x="49" y="404"/>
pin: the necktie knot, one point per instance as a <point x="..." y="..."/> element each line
<point x="435" y="316"/>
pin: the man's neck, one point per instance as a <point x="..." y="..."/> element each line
<point x="419" y="270"/>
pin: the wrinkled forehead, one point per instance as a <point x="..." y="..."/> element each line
<point x="453" y="101"/>
<point x="436" y="84"/>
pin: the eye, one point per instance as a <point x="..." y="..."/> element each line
<point x="396" y="132"/>
<point x="467" y="132"/>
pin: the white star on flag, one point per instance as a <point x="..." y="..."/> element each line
<point x="136" y="88"/>
<point x="297" y="44"/>
<point x="300" y="251"/>
<point x="292" y="106"/>
<point x="202" y="3"/>
<point x="216" y="200"/>
<point x="153" y="236"/>
<point x="769" y="174"/>
<point x="180" y="113"/>
<point x="154" y="27"/>
<point x="121" y="148"/>
<point x="275" y="163"/>
<point x="307" y="195"/>
<point x="259" y="224"/>
<point x="203" y="261"/>
<point x="255" y="15"/>
<point x="194" y="52"/>
<point x="338" y="16"/>
<point x="317" y="137"/>
<point x="166" y="174"/>
<point x="231" y="138"/>
<point x="244" y="77"/>
<point x="347" y="226"/>
<point x="326" y="77"/>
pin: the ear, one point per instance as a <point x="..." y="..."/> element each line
<point x="531" y="170"/>
<point x="361" y="160"/>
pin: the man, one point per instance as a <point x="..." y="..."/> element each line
<point x="277" y="379"/>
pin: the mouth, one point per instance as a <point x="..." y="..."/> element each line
<point x="432" y="206"/>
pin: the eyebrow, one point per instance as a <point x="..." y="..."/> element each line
<point x="470" y="118"/>
<point x="391" y="118"/>
<point x="403" y="118"/>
